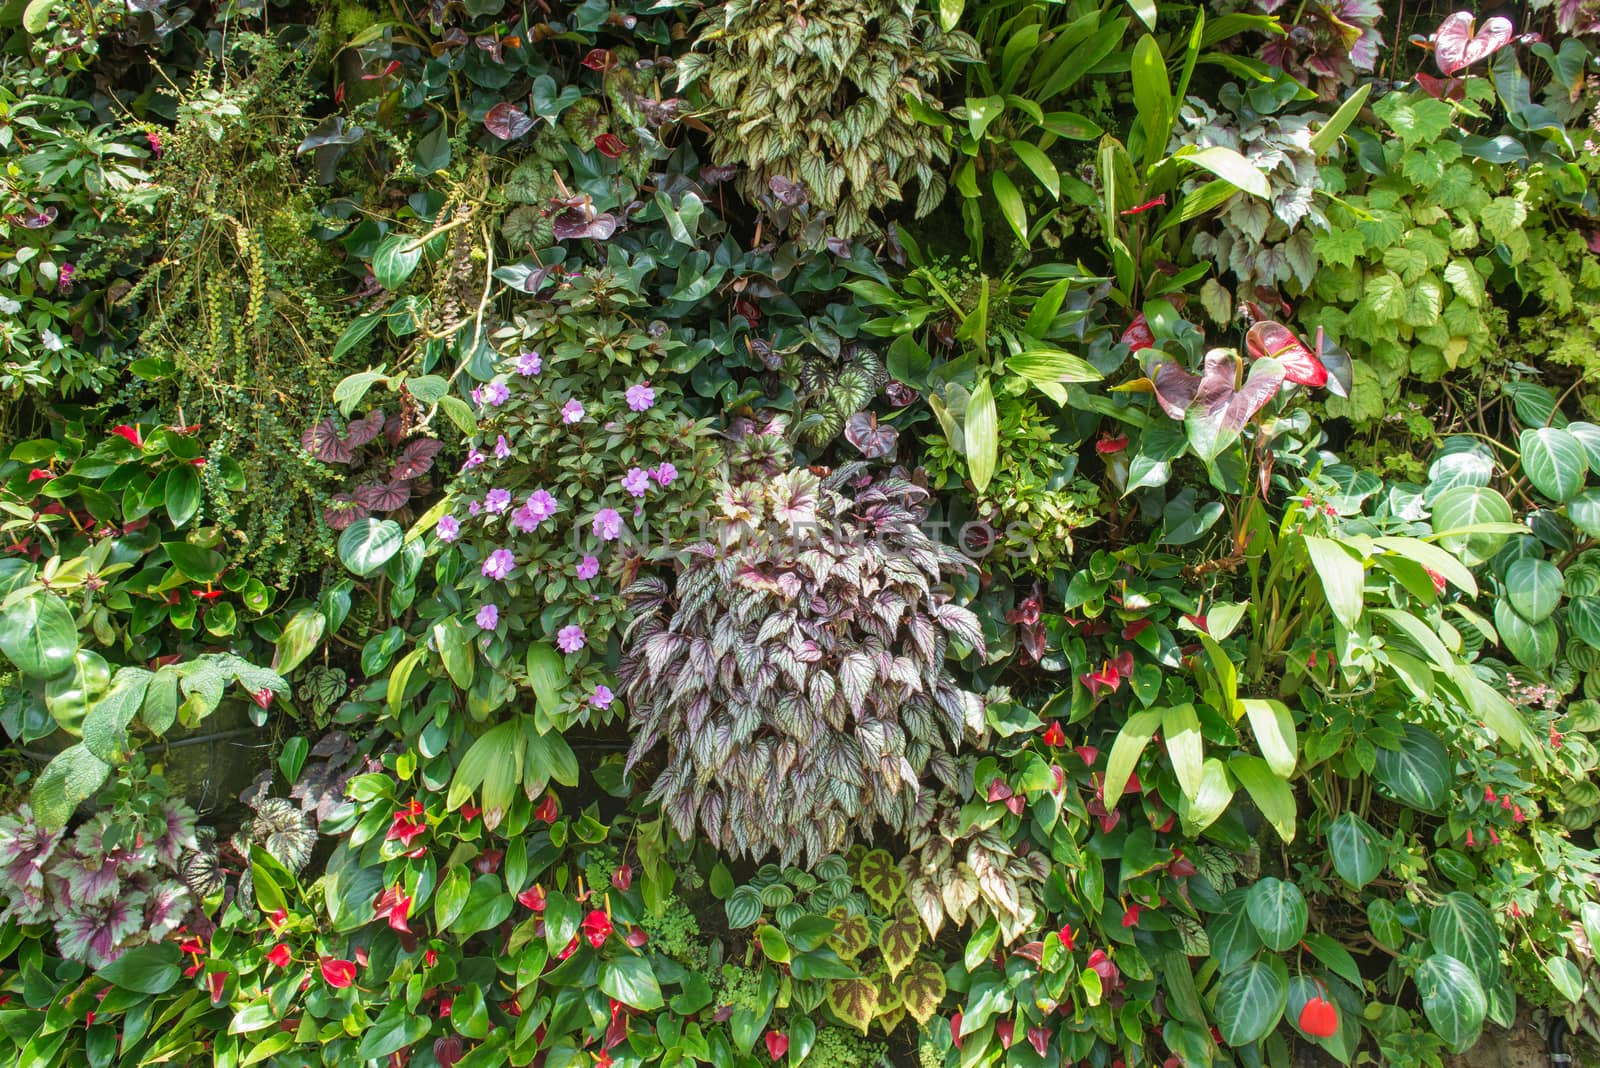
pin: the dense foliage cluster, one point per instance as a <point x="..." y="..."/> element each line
<point x="637" y="534"/>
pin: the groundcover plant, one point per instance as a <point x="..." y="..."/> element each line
<point x="631" y="533"/>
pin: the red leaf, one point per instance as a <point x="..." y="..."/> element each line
<point x="1107" y="444"/>
<point x="416" y="459"/>
<point x="507" y="122"/>
<point x="366" y="428"/>
<point x="574" y="223"/>
<point x="383" y="496"/>
<point x="1442" y="88"/>
<point x="326" y="443"/>
<point x="874" y="441"/>
<point x="1456" y="47"/>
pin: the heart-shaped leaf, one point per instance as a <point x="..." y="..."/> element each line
<point x="507" y="121"/>
<point x="1456" y="47"/>
<point x="1269" y="339"/>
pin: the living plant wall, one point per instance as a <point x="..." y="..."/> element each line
<point x="828" y="533"/>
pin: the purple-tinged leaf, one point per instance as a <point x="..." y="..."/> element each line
<point x="326" y="443"/>
<point x="1278" y="341"/>
<point x="576" y="223"/>
<point x="343" y="511"/>
<point x="874" y="441"/>
<point x="37" y="220"/>
<point x="383" y="496"/>
<point x="365" y="429"/>
<point x="416" y="459"/>
<point x="1175" y="388"/>
<point x="507" y="122"/>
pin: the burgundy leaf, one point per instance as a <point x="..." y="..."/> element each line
<point x="326" y="443"/>
<point x="574" y="223"/>
<point x="343" y="511"/>
<point x="1278" y="341"/>
<point x="1175" y="388"/>
<point x="416" y="459"/>
<point x="610" y="145"/>
<point x="874" y="441"/>
<point x="383" y="496"/>
<point x="1456" y="47"/>
<point x="715" y="175"/>
<point x="1442" y="88"/>
<point x="507" y="122"/>
<point x="1217" y="398"/>
<point x="365" y="429"/>
<point x="790" y="194"/>
<point x="1138" y="335"/>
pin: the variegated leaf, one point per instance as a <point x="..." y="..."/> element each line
<point x="855" y="1001"/>
<point x="850" y="935"/>
<point x="922" y="988"/>
<point x="899" y="939"/>
<point x="883" y="881"/>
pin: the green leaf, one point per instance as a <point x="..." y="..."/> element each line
<point x="71" y="778"/>
<point x="451" y="897"/>
<point x="1231" y="167"/>
<point x="395" y="1028"/>
<point x="1278" y="911"/>
<point x="1462" y="928"/>
<point x="1324" y="138"/>
<point x="1418" y="773"/>
<point x="1250" y="1001"/>
<point x="39" y="635"/>
<point x="150" y="969"/>
<point x="1039" y="163"/>
<point x="1152" y="97"/>
<point x="299" y="638"/>
<point x="950" y="13"/>
<point x="1565" y="977"/>
<point x="1274" y="731"/>
<point x="1453" y="1000"/>
<point x="455" y="649"/>
<point x="1185" y="747"/>
<point x="1584" y="511"/>
<point x="982" y="435"/>
<point x="854" y="1001"/>
<point x="1554" y="461"/>
<point x="1356" y="850"/>
<point x="547" y="675"/>
<point x="631" y="981"/>
<point x="1268" y="790"/>
<point x="1342" y="576"/>
<point x="1210" y="801"/>
<point x="1533" y="587"/>
<point x="1010" y="200"/>
<point x="1533" y="644"/>
<point x="1461" y="508"/>
<point x="1334" y="957"/>
<point x="348" y="393"/>
<point x="367" y="544"/>
<point x="773" y="944"/>
<point x="197" y="564"/>
<point x="394" y="261"/>
<point x="1131" y="740"/>
<point x="182" y="495"/>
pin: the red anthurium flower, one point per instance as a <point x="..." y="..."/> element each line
<point x="191" y="945"/>
<point x="1103" y="966"/>
<point x="407" y="824"/>
<point x="448" y="1050"/>
<point x="1066" y="934"/>
<point x="1130" y="918"/>
<point x="1107" y="678"/>
<point x="1006" y="1032"/>
<point x="998" y="790"/>
<point x="1138" y="335"/>
<point x="610" y="145"/>
<point x="1158" y="202"/>
<point x="1039" y="1039"/>
<point x="1199" y="622"/>
<point x="279" y="955"/>
<point x="470" y="812"/>
<point x="1054" y="735"/>
<point x="1318" y="1018"/>
<point x="130" y="434"/>
<point x="1181" y="866"/>
<point x="338" y="974"/>
<point x="430" y="958"/>
<point x="602" y="1060"/>
<point x="214" y="984"/>
<point x="601" y="59"/>
<point x="533" y="897"/>
<point x="39" y="474"/>
<point x="548" y="810"/>
<point x="488" y="861"/>
<point x="1134" y="629"/>
<point x="622" y="878"/>
<point x="777" y="1044"/>
<point x="394" y="905"/>
<point x="212" y="595"/>
<point x="637" y="937"/>
<point x="1026" y="613"/>
<point x="571" y="948"/>
<point x="1087" y="753"/>
<point x="955" y="1028"/>
<point x="1108" y="444"/>
<point x="597" y="928"/>
<point x="1278" y="341"/>
<point x="262" y="697"/>
<point x="277" y="918"/>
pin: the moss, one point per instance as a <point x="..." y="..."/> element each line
<point x="353" y="19"/>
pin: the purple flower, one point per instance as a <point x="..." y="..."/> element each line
<point x="474" y="458"/>
<point x="476" y="393"/>
<point x="569" y="639"/>
<point x="636" y="481"/>
<point x="496" y="393"/>
<point x="497" y="500"/>
<point x="502" y="448"/>
<point x="571" y="411"/>
<point x="641" y="398"/>
<point x="529" y="363"/>
<point x="499" y="564"/>
<point x="607" y="524"/>
<point x="664" y="473"/>
<point x="64" y="277"/>
<point x="535" y="510"/>
<point x="488" y="617"/>
<point x="473" y="508"/>
<point x="588" y="568"/>
<point x="449" y="528"/>
<point x="602" y="696"/>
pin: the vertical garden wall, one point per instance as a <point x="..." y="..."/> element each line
<point x="830" y="533"/>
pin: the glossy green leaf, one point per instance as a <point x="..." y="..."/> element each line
<point x="982" y="435"/>
<point x="1180" y="727"/>
<point x="1039" y="163"/>
<point x="1355" y="849"/>
<point x="395" y="260"/>
<point x="1010" y="201"/>
<point x="1250" y="1001"/>
<point x="1342" y="576"/>
<point x="1278" y="911"/>
<point x="367" y="544"/>
<point x="1533" y="644"/>
<point x="182" y="494"/>
<point x="1458" y="925"/>
<point x="1453" y="1000"/>
<point x="631" y="981"/>
<point x="1131" y="740"/>
<point x="1554" y="461"/>
<point x="1464" y="507"/>
<point x="1268" y="790"/>
<point x="39" y="635"/>
<point x="1418" y="773"/>
<point x="1273" y="727"/>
